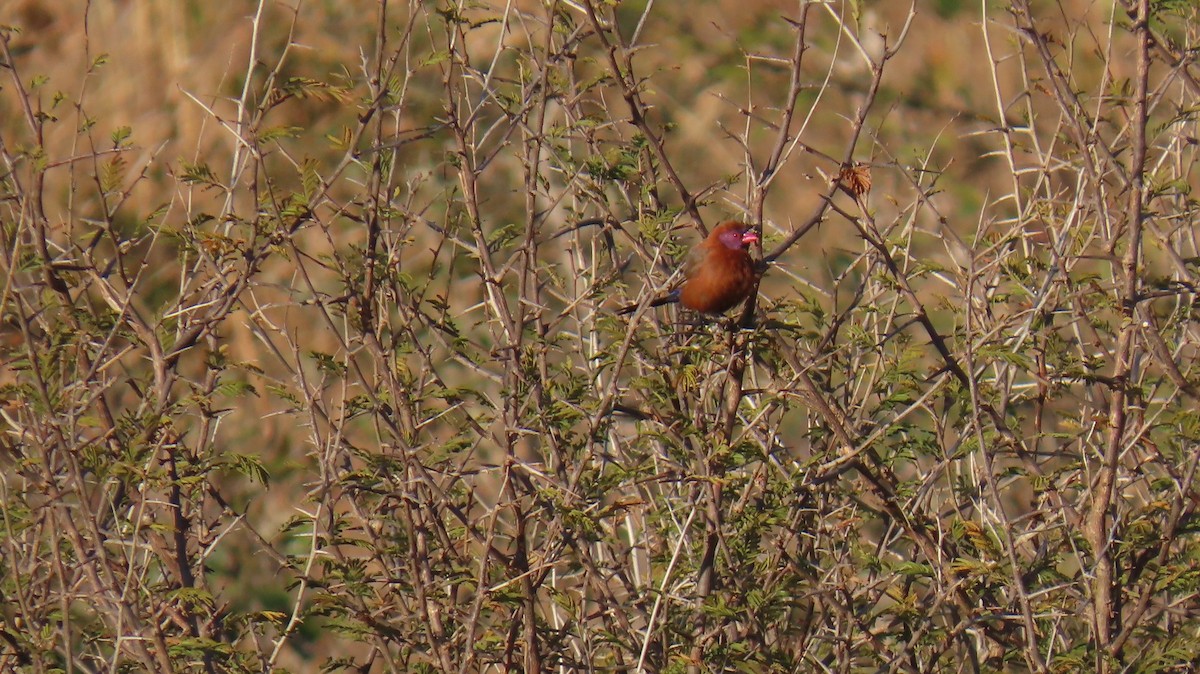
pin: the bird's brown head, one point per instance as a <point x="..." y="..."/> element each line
<point x="734" y="235"/>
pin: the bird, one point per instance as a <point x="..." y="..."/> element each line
<point x="719" y="272"/>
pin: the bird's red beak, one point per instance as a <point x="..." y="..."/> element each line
<point x="749" y="237"/>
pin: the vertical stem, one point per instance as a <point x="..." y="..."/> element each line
<point x="1099" y="521"/>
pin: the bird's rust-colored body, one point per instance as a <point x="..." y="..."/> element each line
<point x="719" y="273"/>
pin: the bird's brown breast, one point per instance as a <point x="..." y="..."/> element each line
<point x="718" y="281"/>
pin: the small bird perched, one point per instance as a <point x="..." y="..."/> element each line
<point x="719" y="272"/>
